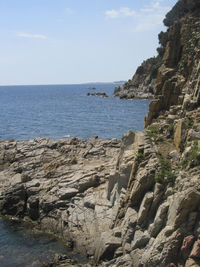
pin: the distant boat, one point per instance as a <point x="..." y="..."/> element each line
<point x="91" y="88"/>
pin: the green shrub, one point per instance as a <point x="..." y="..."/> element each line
<point x="139" y="157"/>
<point x="171" y="129"/>
<point x="153" y="131"/>
<point x="164" y="173"/>
<point x="189" y="122"/>
<point x="182" y="145"/>
<point x="194" y="155"/>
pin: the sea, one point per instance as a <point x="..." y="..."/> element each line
<point x="58" y="111"/>
<point x="65" y="111"/>
<point x="22" y="246"/>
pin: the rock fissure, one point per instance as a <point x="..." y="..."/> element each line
<point x="133" y="202"/>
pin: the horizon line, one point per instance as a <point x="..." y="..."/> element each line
<point x="121" y="81"/>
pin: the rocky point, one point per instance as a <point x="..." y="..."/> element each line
<point x="133" y="202"/>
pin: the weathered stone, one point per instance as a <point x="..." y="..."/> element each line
<point x="192" y="263"/>
<point x="186" y="246"/>
<point x="181" y="206"/>
<point x="33" y="207"/>
<point x="89" y="202"/>
<point x="144" y="208"/>
<point x="142" y="84"/>
<point x="174" y="155"/>
<point x="106" y="246"/>
<point x="140" y="239"/>
<point x="66" y="193"/>
<point x="144" y="181"/>
<point x="128" y="225"/>
<point x="178" y="134"/>
<point x="160" y="220"/>
<point x="14" y="201"/>
<point x="195" y="253"/>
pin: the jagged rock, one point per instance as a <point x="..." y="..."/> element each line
<point x="106" y="246"/>
<point x="158" y="194"/>
<point x="101" y="94"/>
<point x="160" y="220"/>
<point x="89" y="202"/>
<point x="66" y="193"/>
<point x="125" y="261"/>
<point x="181" y="206"/>
<point x="186" y="246"/>
<point x="130" y="203"/>
<point x="192" y="263"/>
<point x="195" y="253"/>
<point x="141" y="86"/>
<point x="144" y="182"/>
<point x="128" y="225"/>
<point x="144" y="208"/>
<point x="33" y="207"/>
<point x="14" y="201"/>
<point x="140" y="239"/>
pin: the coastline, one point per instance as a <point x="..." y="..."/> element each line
<point x="41" y="178"/>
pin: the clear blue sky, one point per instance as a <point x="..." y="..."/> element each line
<point x="75" y="41"/>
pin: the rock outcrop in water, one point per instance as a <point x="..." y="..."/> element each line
<point x="101" y="94"/>
<point x="134" y="203"/>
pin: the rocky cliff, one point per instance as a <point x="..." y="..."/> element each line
<point x="129" y="203"/>
<point x="141" y="86"/>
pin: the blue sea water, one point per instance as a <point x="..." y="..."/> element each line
<point x="62" y="111"/>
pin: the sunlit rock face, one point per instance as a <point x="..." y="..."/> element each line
<point x="133" y="202"/>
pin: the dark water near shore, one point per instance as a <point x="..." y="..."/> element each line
<point x="60" y="111"/>
<point x="21" y="247"/>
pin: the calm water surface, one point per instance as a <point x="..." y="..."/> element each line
<point x="59" y="111"/>
<point x="21" y="247"/>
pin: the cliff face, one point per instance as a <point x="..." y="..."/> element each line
<point x="178" y="78"/>
<point x="141" y="86"/>
<point x="129" y="203"/>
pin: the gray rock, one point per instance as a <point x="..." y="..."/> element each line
<point x="66" y="193"/>
<point x="106" y="246"/>
<point x="140" y="239"/>
<point x="159" y="221"/>
<point x="144" y="208"/>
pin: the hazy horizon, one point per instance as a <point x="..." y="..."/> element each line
<point x="73" y="42"/>
<point x="49" y="84"/>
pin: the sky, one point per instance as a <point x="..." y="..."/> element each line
<point x="77" y="41"/>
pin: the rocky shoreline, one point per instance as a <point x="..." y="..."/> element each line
<point x="142" y="84"/>
<point x="134" y="202"/>
<point x="59" y="184"/>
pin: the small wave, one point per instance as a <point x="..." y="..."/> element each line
<point x="67" y="136"/>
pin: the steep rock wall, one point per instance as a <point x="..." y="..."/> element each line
<point x="134" y="203"/>
<point x="178" y="77"/>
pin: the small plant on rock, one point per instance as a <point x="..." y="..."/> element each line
<point x="139" y="157"/>
<point x="164" y="174"/>
<point x="194" y="155"/>
<point x="189" y="122"/>
<point x="153" y="131"/>
<point x="171" y="129"/>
